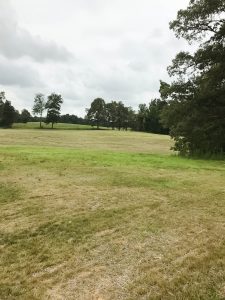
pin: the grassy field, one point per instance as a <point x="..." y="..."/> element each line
<point x="108" y="215"/>
<point x="64" y="126"/>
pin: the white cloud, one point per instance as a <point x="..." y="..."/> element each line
<point x="20" y="74"/>
<point x="17" y="42"/>
<point x="122" y="49"/>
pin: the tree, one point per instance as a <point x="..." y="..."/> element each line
<point x="131" y="117"/>
<point x="97" y="112"/>
<point x="39" y="106"/>
<point x="111" y="114"/>
<point x="142" y="117"/>
<point x="123" y="116"/>
<point x="196" y="103"/>
<point x="149" y="117"/>
<point x="25" y="116"/>
<point x="153" y="122"/>
<point x="2" y="99"/>
<point x="53" y="107"/>
<point x="8" y="114"/>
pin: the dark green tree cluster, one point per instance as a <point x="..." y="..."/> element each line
<point x="114" y="114"/>
<point x="118" y="116"/>
<point x="23" y="117"/>
<point x="52" y="105"/>
<point x="9" y="115"/>
<point x="195" y="112"/>
<point x="149" y="117"/>
<point x="7" y="112"/>
<point x="72" y="119"/>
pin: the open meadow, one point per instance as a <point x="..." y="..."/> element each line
<point x="99" y="215"/>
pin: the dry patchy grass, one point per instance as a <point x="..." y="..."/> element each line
<point x="108" y="215"/>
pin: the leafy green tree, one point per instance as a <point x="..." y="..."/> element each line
<point x="2" y="99"/>
<point x="53" y="107"/>
<point x="121" y="115"/>
<point x="8" y="114"/>
<point x="39" y="106"/>
<point x="196" y="104"/>
<point x="131" y="117"/>
<point x="25" y="116"/>
<point x="97" y="112"/>
<point x="111" y="114"/>
<point x="149" y="117"/>
<point x="142" y="117"/>
<point x="153" y="122"/>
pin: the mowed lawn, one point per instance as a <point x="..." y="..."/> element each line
<point x="108" y="215"/>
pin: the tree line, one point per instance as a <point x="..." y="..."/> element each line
<point x="9" y="115"/>
<point x="113" y="114"/>
<point x="192" y="106"/>
<point x="116" y="115"/>
<point x="195" y="112"/>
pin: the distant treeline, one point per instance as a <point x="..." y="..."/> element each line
<point x="113" y="114"/>
<point x="118" y="116"/>
<point x="191" y="107"/>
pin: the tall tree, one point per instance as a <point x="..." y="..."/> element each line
<point x="8" y="114"/>
<point x="111" y="113"/>
<point x="25" y="116"/>
<point x="39" y="106"/>
<point x="121" y="115"/>
<point x="153" y="122"/>
<point x="2" y="99"/>
<point x="53" y="107"/>
<point x="196" y="101"/>
<point x="97" y="112"/>
<point x="131" y="117"/>
<point x="142" y="117"/>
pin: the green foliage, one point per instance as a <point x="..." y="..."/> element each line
<point x="8" y="114"/>
<point x="121" y="116"/>
<point x="149" y="118"/>
<point x="39" y="105"/>
<point x="196" y="103"/>
<point x="53" y="107"/>
<point x="113" y="114"/>
<point x="97" y="112"/>
<point x="25" y="116"/>
<point x="2" y="99"/>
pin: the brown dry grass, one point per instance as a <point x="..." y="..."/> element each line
<point x="81" y="222"/>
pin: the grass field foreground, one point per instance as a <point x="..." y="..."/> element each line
<point x="108" y="215"/>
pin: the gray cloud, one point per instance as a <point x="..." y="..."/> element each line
<point x="18" y="74"/>
<point x="122" y="49"/>
<point x="17" y="42"/>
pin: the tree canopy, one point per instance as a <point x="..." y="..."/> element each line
<point x="97" y="112"/>
<point x="8" y="114"/>
<point x="53" y="106"/>
<point x="196" y="97"/>
<point x="39" y="106"/>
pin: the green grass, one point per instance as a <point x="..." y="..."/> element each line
<point x="64" y="126"/>
<point x="108" y="215"/>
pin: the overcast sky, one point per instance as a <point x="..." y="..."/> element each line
<point x="83" y="49"/>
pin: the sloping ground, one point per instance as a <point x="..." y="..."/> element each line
<point x="108" y="215"/>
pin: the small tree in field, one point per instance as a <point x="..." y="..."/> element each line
<point x="39" y="106"/>
<point x="53" y="107"/>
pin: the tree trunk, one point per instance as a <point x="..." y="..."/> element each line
<point x="52" y="125"/>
